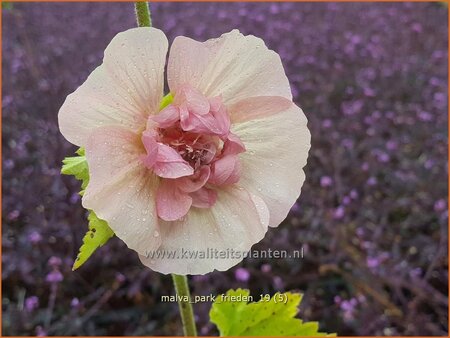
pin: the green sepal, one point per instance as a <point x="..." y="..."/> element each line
<point x="273" y="316"/>
<point x="98" y="234"/>
<point x="166" y="100"/>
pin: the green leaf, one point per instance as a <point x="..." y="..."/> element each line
<point x="98" y="234"/>
<point x="78" y="167"/>
<point x="99" y="231"/>
<point x="236" y="315"/>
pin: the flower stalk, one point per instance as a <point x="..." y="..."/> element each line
<point x="184" y="296"/>
<point x="143" y="14"/>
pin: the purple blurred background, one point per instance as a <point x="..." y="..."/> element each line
<point x="372" y="218"/>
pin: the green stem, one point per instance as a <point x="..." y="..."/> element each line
<point x="142" y="14"/>
<point x="187" y="314"/>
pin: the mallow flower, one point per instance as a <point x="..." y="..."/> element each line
<point x="198" y="175"/>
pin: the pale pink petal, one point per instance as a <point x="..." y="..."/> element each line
<point x="167" y="117"/>
<point x="234" y="66"/>
<point x="210" y="123"/>
<point x="234" y="222"/>
<point x="121" y="190"/>
<point x="123" y="91"/>
<point x="196" y="181"/>
<point x="216" y="103"/>
<point x="257" y="107"/>
<point x="225" y="170"/>
<point x="272" y="167"/>
<point x="170" y="164"/>
<point x="233" y="145"/>
<point x="195" y="102"/>
<point x="203" y="198"/>
<point x="171" y="202"/>
<point x="222" y="118"/>
<point x="151" y="148"/>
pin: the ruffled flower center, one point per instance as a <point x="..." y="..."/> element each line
<point x="190" y="147"/>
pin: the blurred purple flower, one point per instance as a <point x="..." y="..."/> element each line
<point x="8" y="164"/>
<point x="382" y="157"/>
<point x="75" y="197"/>
<point x="429" y="164"/>
<point x="352" y="107"/>
<point x="354" y="194"/>
<point x="13" y="215"/>
<point x="372" y="262"/>
<point x="54" y="261"/>
<point x="74" y="302"/>
<point x="391" y="145"/>
<point x="440" y="205"/>
<point x="339" y="212"/>
<point x="278" y="283"/>
<point x="327" y="123"/>
<point x="372" y="181"/>
<point x="346" y="200"/>
<point x="40" y="332"/>
<point x="54" y="277"/>
<point x="347" y="143"/>
<point x="34" y="237"/>
<point x="416" y="27"/>
<point x="365" y="166"/>
<point x="369" y="92"/>
<point x="266" y="268"/>
<point x="31" y="303"/>
<point x="347" y="307"/>
<point x="242" y="275"/>
<point x="326" y="181"/>
<point x="120" y="277"/>
<point x="425" y="116"/>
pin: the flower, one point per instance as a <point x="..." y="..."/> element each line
<point x="242" y="275"/>
<point x="339" y="212"/>
<point x="326" y="181"/>
<point x="209" y="166"/>
<point x="31" y="303"/>
<point x="54" y="277"/>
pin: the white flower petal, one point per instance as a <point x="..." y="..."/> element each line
<point x="235" y="222"/>
<point x="123" y="91"/>
<point x="121" y="190"/>
<point x="277" y="150"/>
<point x="234" y="66"/>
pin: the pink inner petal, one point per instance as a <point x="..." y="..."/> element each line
<point x="167" y="117"/>
<point x="171" y="202"/>
<point x="196" y="103"/>
<point x="233" y="145"/>
<point x="190" y="147"/>
<point x="151" y="146"/>
<point x="170" y="164"/>
<point x="225" y="170"/>
<point x="204" y="198"/>
<point x="196" y="181"/>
